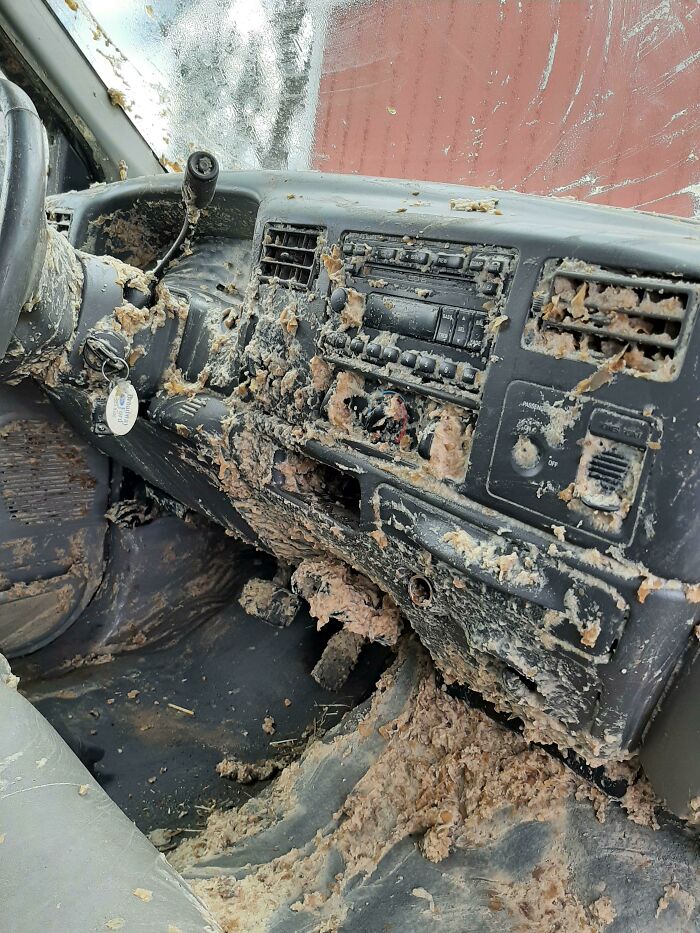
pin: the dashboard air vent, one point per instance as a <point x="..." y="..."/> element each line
<point x="60" y="220"/>
<point x="290" y="255"/>
<point x="588" y="313"/>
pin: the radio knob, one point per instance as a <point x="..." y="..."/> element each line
<point x="338" y="300"/>
<point x="426" y="442"/>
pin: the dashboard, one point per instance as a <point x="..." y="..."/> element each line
<point x="486" y="402"/>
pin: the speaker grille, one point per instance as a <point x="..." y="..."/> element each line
<point x="43" y="473"/>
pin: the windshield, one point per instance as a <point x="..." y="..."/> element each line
<point x="597" y="101"/>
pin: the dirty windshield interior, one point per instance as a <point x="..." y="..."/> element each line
<point x="349" y="498"/>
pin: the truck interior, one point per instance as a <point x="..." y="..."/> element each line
<point x="349" y="565"/>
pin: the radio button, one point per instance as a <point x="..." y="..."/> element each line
<point x="374" y="351"/>
<point x="469" y="330"/>
<point x="390" y="354"/>
<point x="468" y="375"/>
<point x="357" y="345"/>
<point x="446" y="325"/>
<point x="408" y="358"/>
<point x="448" y="261"/>
<point x="386" y="254"/>
<point x="421" y="258"/>
<point x="496" y="265"/>
<point x="340" y="341"/>
<point x="425" y="364"/>
<point x="447" y="370"/>
<point x="489" y="288"/>
<point x="477" y="263"/>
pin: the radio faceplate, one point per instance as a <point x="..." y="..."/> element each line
<point x="429" y="312"/>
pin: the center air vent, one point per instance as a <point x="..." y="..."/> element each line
<point x="60" y="220"/>
<point x="290" y="255"/>
<point x="588" y="313"/>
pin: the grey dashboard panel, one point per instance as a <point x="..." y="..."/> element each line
<point x="536" y="229"/>
<point x="594" y="606"/>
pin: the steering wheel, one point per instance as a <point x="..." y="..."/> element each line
<point x="23" y="232"/>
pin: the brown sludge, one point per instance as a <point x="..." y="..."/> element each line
<point x="333" y="590"/>
<point x="447" y="774"/>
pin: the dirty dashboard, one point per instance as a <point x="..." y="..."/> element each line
<point x="485" y="402"/>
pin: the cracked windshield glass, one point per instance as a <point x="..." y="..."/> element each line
<point x="595" y="101"/>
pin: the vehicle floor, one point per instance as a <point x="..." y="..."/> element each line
<point x="419" y="812"/>
<point x="339" y="841"/>
<point x="158" y="761"/>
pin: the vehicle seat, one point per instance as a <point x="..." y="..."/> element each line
<point x="70" y="860"/>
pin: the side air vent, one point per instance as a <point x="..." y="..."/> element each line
<point x="588" y="313"/>
<point x="290" y="255"/>
<point x="60" y="220"/>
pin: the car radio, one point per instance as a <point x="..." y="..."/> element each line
<point x="409" y="331"/>
<point x="429" y="311"/>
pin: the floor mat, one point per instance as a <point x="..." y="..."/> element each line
<point x="164" y="718"/>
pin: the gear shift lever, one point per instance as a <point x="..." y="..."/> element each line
<point x="198" y="187"/>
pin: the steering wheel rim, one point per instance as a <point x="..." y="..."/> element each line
<point x="23" y="228"/>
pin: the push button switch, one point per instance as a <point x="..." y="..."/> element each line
<point x="338" y="299"/>
<point x="425" y="364"/>
<point x="446" y="324"/>
<point x="468" y="375"/>
<point x="420" y="257"/>
<point x="447" y="369"/>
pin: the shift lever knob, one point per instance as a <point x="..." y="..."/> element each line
<point x="201" y="175"/>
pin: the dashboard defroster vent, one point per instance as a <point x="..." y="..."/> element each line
<point x="290" y="255"/>
<point x="588" y="313"/>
